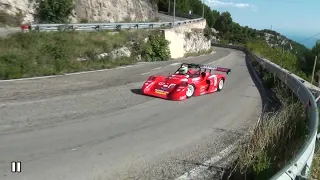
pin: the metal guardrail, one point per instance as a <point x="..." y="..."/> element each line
<point x="111" y="26"/>
<point x="299" y="166"/>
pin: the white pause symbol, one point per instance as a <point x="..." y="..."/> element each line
<point x="15" y="166"/>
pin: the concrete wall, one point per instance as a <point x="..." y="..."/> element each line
<point x="177" y="37"/>
<point x="187" y="27"/>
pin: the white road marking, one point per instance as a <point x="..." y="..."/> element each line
<point x="219" y="59"/>
<point x="143" y="62"/>
<point x="85" y="72"/>
<point x="151" y="70"/>
<point x="198" y="170"/>
<point x="156" y="68"/>
<point x="174" y="64"/>
<point x="145" y="73"/>
<point x="69" y="74"/>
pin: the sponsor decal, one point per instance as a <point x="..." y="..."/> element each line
<point x="159" y="91"/>
<point x="161" y="83"/>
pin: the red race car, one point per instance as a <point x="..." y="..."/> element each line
<point x="189" y="80"/>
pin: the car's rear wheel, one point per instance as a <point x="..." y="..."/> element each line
<point x="220" y="85"/>
<point x="190" y="91"/>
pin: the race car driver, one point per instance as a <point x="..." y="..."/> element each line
<point x="183" y="70"/>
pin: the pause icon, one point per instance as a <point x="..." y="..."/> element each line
<point x="16" y="167"/>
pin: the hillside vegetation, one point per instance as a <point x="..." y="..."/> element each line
<point x="277" y="140"/>
<point x="270" y="44"/>
<point x="41" y="53"/>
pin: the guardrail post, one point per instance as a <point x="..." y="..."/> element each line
<point x="99" y="28"/>
<point x="118" y="27"/>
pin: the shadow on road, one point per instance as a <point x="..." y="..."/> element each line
<point x="136" y="91"/>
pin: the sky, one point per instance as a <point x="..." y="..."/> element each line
<point x="296" y="19"/>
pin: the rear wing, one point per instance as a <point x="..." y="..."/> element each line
<point x="215" y="68"/>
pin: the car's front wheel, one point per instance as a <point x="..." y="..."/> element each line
<point x="190" y="91"/>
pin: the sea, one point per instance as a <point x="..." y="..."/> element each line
<point x="304" y="39"/>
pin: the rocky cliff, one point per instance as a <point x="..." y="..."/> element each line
<point x="195" y="42"/>
<point x="187" y="39"/>
<point x="92" y="10"/>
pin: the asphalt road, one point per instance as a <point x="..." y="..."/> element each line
<point x="8" y="30"/>
<point x="167" y="18"/>
<point x="97" y="125"/>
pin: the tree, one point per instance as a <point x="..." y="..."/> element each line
<point x="224" y="22"/>
<point x="55" y="11"/>
<point x="233" y="32"/>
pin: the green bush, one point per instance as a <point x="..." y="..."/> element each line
<point x="156" y="49"/>
<point x="275" y="54"/>
<point x="55" y="11"/>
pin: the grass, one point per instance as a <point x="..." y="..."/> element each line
<point x="315" y="172"/>
<point x="33" y="54"/>
<point x="277" y="137"/>
<point x="270" y="146"/>
<point x="192" y="54"/>
<point x="49" y="53"/>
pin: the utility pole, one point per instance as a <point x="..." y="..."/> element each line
<point x="169" y="6"/>
<point x="318" y="94"/>
<point x="174" y="12"/>
<point x="314" y="67"/>
<point x="202" y="8"/>
<point x="283" y="44"/>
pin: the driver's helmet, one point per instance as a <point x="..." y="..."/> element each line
<point x="183" y="70"/>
